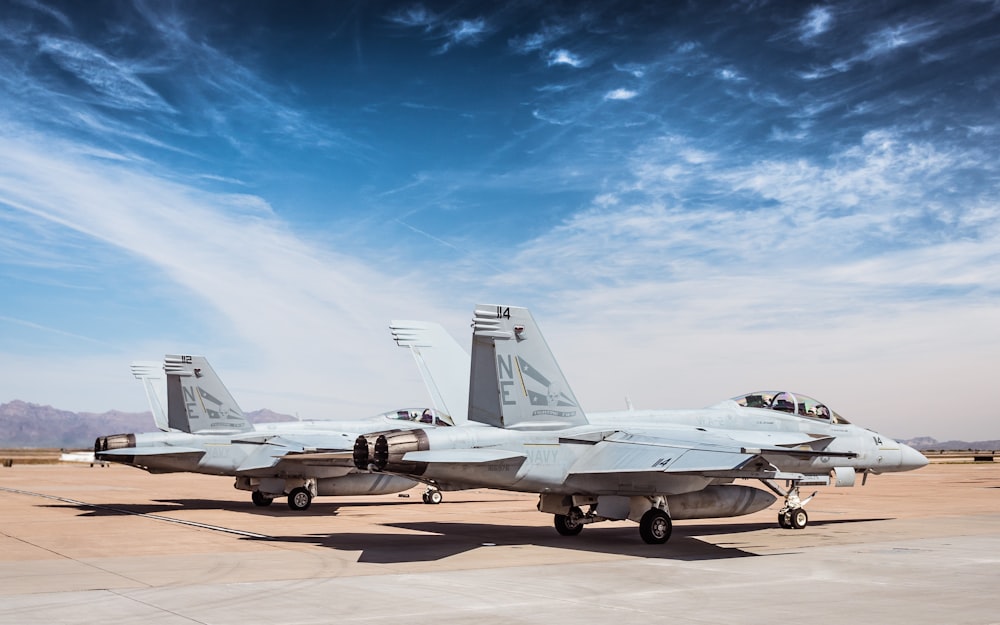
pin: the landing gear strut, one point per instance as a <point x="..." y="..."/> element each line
<point x="792" y="515"/>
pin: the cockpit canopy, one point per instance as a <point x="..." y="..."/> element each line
<point x="792" y="403"/>
<point x="428" y="416"/>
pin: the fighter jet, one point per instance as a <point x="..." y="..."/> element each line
<point x="203" y="430"/>
<point x="652" y="468"/>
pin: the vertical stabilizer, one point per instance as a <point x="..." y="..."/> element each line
<point x="443" y="365"/>
<point x="154" y="381"/>
<point x="515" y="381"/>
<point x="197" y="400"/>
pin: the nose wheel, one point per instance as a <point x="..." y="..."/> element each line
<point x="792" y="515"/>
<point x="793" y="519"/>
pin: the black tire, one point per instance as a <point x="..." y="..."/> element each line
<point x="299" y="499"/>
<point x="798" y="519"/>
<point x="426" y="497"/>
<point x="785" y="519"/>
<point x="260" y="499"/>
<point x="567" y="525"/>
<point x="434" y="497"/>
<point x="655" y="527"/>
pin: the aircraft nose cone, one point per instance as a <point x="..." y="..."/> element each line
<point x="910" y="458"/>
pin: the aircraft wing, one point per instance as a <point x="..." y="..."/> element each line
<point x="713" y="456"/>
<point x="610" y="456"/>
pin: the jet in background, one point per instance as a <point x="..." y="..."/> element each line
<point x="203" y="430"/>
<point x="652" y="467"/>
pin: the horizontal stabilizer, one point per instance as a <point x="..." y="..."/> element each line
<point x="311" y="448"/>
<point x="462" y="455"/>
<point x="300" y="441"/>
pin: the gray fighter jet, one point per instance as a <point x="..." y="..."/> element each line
<point x="203" y="430"/>
<point x="651" y="467"/>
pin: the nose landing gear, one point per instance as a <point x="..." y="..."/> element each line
<point x="792" y="515"/>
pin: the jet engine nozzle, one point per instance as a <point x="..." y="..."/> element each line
<point x="362" y="454"/>
<point x="384" y="451"/>
<point x="115" y="441"/>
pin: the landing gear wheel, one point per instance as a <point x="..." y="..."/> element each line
<point x="798" y="519"/>
<point x="655" y="527"/>
<point x="299" y="499"/>
<point x="433" y="497"/>
<point x="260" y="499"/>
<point x="569" y="524"/>
<point x="785" y="519"/>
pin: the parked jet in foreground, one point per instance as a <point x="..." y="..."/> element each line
<point x="652" y="468"/>
<point x="203" y="430"/>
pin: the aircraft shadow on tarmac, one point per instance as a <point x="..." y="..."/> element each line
<point x="439" y="540"/>
<point x="442" y="540"/>
<point x="277" y="509"/>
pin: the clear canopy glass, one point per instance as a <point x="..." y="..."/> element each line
<point x="791" y="403"/>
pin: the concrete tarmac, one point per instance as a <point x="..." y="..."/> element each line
<point x="116" y="545"/>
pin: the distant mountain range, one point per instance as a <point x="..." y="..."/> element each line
<point x="926" y="443"/>
<point x="29" y="425"/>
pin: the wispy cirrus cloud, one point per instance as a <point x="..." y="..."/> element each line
<point x="119" y="85"/>
<point x="453" y="32"/>
<point x="817" y="21"/>
<point x="251" y="276"/>
<point x="539" y="40"/>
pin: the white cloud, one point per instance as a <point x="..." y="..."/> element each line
<point x="467" y="30"/>
<point x="564" y="57"/>
<point x="285" y="314"/>
<point x="851" y="281"/>
<point x="637" y="71"/>
<point x="415" y="16"/>
<point x="620" y="94"/>
<point x="818" y="21"/>
<point x="120" y="84"/>
<point x="729" y="75"/>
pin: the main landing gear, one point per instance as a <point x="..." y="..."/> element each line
<point x="260" y="499"/>
<point x="569" y="524"/>
<point x="432" y="496"/>
<point x="655" y="525"/>
<point x="300" y="499"/>
<point x="792" y="515"/>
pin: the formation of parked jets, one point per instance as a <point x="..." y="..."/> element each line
<point x="505" y="417"/>
<point x="202" y="430"/>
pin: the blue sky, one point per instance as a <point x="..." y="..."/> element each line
<point x="695" y="200"/>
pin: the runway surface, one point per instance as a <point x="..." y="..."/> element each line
<point x="116" y="545"/>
